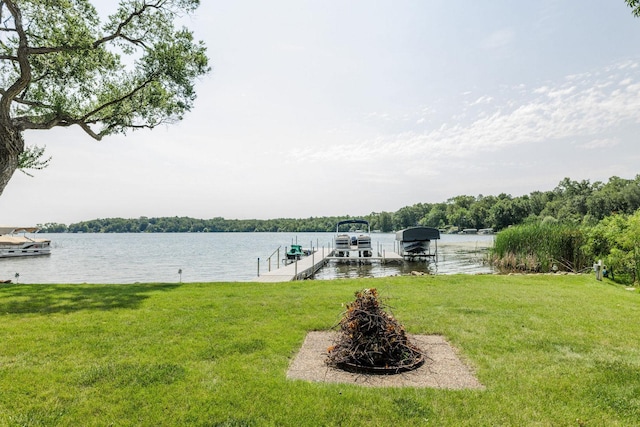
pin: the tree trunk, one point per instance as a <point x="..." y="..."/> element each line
<point x="11" y="145"/>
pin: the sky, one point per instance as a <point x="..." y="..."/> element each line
<point x="326" y="108"/>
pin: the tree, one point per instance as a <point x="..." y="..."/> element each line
<point x="616" y="239"/>
<point x="386" y="222"/>
<point x="479" y="211"/>
<point x="61" y="66"/>
<point x="405" y="217"/>
<point x="436" y="217"/>
<point x="635" y="5"/>
<point x="458" y="211"/>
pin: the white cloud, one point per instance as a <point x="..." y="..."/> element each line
<point x="498" y="39"/>
<point x="599" y="144"/>
<point x="485" y="99"/>
<point x="582" y="108"/>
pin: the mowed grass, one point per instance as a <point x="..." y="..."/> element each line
<point x="550" y="350"/>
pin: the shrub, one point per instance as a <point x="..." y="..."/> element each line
<point x="616" y="240"/>
<point x="538" y="247"/>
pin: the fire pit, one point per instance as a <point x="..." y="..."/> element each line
<point x="372" y="341"/>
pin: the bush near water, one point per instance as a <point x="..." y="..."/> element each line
<point x="551" y="246"/>
<point x="540" y="247"/>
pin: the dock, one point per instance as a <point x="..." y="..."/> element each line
<point x="298" y="270"/>
<point x="308" y="266"/>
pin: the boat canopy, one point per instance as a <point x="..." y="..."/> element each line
<point x="418" y="234"/>
<point x="12" y="230"/>
<point x="352" y="221"/>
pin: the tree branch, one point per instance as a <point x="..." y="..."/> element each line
<point x="23" y="61"/>
<point x="65" y="120"/>
<point x="23" y="101"/>
<point x="85" y="127"/>
<point x="61" y="120"/>
<point x="635" y="5"/>
<point x="118" y="33"/>
<point x="118" y="100"/>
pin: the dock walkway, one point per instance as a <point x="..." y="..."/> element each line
<point x="299" y="270"/>
<point x="308" y="266"/>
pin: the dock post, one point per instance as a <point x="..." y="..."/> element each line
<point x="258" y="267"/>
<point x="295" y="277"/>
<point x="278" y="261"/>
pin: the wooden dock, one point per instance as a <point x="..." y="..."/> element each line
<point x="309" y="265"/>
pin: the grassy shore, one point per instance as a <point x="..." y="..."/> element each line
<point x="550" y="350"/>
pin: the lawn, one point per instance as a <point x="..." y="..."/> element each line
<point x="550" y="351"/>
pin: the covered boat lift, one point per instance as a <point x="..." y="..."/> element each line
<point x="415" y="242"/>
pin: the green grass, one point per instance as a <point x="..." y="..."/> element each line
<point x="551" y="351"/>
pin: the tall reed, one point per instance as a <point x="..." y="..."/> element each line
<point x="539" y="247"/>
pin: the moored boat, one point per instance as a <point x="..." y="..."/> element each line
<point x="360" y="242"/>
<point x="415" y="242"/>
<point x="296" y="252"/>
<point x="15" y="242"/>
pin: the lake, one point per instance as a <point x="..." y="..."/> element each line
<point x="213" y="257"/>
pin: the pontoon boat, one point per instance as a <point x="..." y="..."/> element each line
<point x="14" y="242"/>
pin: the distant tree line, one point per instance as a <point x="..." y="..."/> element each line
<point x="574" y="202"/>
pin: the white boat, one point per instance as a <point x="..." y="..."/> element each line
<point x="15" y="242"/>
<point x="360" y="242"/>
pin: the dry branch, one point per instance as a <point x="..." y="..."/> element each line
<point x="372" y="340"/>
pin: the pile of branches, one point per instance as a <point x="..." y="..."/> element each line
<point x="372" y="340"/>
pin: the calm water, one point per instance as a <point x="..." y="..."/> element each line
<point x="204" y="257"/>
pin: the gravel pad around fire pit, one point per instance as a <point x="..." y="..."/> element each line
<point x="442" y="367"/>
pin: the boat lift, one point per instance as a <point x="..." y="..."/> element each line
<point x="415" y="243"/>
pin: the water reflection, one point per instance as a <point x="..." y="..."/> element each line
<point x="211" y="257"/>
<point x="455" y="256"/>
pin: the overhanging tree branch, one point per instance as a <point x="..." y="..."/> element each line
<point x="123" y="98"/>
<point x="136" y="13"/>
<point x="115" y="35"/>
<point x="66" y="120"/>
<point x="29" y="103"/>
<point x="70" y="74"/>
<point x="22" y="59"/>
